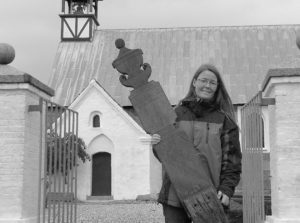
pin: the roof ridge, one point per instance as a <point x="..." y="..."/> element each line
<point x="200" y="27"/>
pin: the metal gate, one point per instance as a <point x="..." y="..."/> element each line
<point x="58" y="163"/>
<point x="252" y="162"/>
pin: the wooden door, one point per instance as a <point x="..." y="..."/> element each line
<point x="101" y="177"/>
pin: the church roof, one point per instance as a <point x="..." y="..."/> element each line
<point x="243" y="55"/>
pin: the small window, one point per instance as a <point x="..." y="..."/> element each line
<point x="96" y="121"/>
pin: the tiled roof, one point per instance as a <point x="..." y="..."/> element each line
<point x="243" y="55"/>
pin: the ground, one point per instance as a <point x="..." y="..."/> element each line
<point x="134" y="212"/>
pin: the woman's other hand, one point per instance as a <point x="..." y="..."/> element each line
<point x="223" y="198"/>
<point x="155" y="139"/>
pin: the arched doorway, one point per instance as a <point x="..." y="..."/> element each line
<point x="101" y="174"/>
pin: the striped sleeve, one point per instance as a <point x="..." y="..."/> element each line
<point x="231" y="157"/>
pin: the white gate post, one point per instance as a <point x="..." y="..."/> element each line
<point x="19" y="141"/>
<point x="284" y="85"/>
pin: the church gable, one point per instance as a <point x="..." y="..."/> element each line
<point x="98" y="109"/>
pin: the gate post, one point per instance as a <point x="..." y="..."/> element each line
<point x="19" y="141"/>
<point x="284" y="85"/>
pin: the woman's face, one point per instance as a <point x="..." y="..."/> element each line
<point x="206" y="85"/>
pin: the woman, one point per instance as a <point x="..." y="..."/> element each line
<point x="206" y="114"/>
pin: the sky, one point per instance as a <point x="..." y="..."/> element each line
<point x="32" y="27"/>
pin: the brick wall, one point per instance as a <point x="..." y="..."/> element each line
<point x="31" y="158"/>
<point x="285" y="159"/>
<point x="284" y="86"/>
<point x="19" y="137"/>
<point x="19" y="151"/>
<point x="12" y="128"/>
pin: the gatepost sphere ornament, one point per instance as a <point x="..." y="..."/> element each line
<point x="7" y="53"/>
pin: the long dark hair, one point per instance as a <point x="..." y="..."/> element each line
<point x="221" y="98"/>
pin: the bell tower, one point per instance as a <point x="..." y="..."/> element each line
<point x="79" y="19"/>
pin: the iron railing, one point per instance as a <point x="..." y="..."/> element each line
<point x="252" y="163"/>
<point x="58" y="163"/>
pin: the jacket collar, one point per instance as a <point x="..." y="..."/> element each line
<point x="199" y="107"/>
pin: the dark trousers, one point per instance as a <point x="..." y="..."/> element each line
<point x="178" y="215"/>
<point x="175" y="215"/>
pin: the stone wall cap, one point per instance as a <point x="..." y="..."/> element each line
<point x="26" y="78"/>
<point x="280" y="72"/>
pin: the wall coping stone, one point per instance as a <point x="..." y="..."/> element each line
<point x="280" y="72"/>
<point x="26" y="78"/>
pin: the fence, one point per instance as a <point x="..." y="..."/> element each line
<point x="58" y="162"/>
<point x="252" y="162"/>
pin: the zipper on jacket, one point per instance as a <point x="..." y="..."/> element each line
<point x="207" y="131"/>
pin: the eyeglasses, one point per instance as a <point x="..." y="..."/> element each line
<point x="207" y="81"/>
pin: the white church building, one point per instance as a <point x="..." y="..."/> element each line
<point x="122" y="165"/>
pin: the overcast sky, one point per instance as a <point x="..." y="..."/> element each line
<point x="32" y="27"/>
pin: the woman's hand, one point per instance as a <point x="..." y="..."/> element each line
<point x="223" y="198"/>
<point x="155" y="139"/>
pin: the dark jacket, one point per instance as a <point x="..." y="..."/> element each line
<point x="216" y="139"/>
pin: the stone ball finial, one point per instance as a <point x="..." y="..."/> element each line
<point x="7" y="53"/>
<point x="298" y="39"/>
